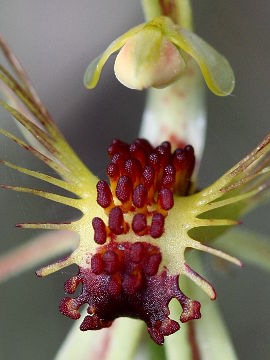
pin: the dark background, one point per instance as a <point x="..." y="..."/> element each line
<point x="55" y="40"/>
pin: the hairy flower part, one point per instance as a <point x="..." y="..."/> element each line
<point x="127" y="275"/>
<point x="133" y="233"/>
<point x="156" y="53"/>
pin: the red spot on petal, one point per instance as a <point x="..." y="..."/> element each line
<point x="96" y="264"/>
<point x="100" y="233"/>
<point x="184" y="162"/>
<point x="133" y="169"/>
<point x="115" y="286"/>
<point x="164" y="152"/>
<point x="136" y="252"/>
<point x="116" y="221"/>
<point x="154" y="161"/>
<point x="119" y="160"/>
<point x="113" y="171"/>
<point x="165" y="199"/>
<point x="124" y="189"/>
<point x="139" y="197"/>
<point x="145" y="144"/>
<point x="72" y="284"/>
<point x="69" y="307"/>
<point x="94" y="323"/>
<point x="157" y="225"/>
<point x="168" y="178"/>
<point x="131" y="284"/>
<point x="104" y="195"/>
<point x="110" y="262"/>
<point x="139" y="224"/>
<point x="118" y="146"/>
<point x="152" y="265"/>
<point x="137" y="151"/>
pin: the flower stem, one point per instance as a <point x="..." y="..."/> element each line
<point x="178" y="10"/>
<point x="185" y="14"/>
<point x="151" y="9"/>
<point x="177" y="113"/>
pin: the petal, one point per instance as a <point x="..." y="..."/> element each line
<point x="93" y="71"/>
<point x="251" y="247"/>
<point x="239" y="190"/>
<point x="107" y="343"/>
<point x="216" y="70"/>
<point x="23" y="97"/>
<point x="34" y="252"/>
<point x="212" y="338"/>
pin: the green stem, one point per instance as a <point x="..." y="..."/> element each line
<point x="177" y="113"/>
<point x="151" y="9"/>
<point x="178" y="10"/>
<point x="185" y="13"/>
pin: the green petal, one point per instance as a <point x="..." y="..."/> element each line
<point x="119" y="341"/>
<point x="251" y="247"/>
<point x="212" y="337"/>
<point x="216" y="70"/>
<point x="93" y="71"/>
<point x="39" y="250"/>
<point x="153" y="351"/>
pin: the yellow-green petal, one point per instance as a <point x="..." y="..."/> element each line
<point x="93" y="71"/>
<point x="216" y="70"/>
<point x="212" y="336"/>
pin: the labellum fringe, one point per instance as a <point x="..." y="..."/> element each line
<point x="134" y="231"/>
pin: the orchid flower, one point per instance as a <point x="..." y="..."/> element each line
<point x="136" y="231"/>
<point x="133" y="231"/>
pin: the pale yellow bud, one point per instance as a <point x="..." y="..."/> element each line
<point x="140" y="67"/>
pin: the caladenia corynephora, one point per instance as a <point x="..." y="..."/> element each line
<point x="135" y="230"/>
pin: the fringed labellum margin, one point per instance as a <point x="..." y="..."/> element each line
<point x="136" y="234"/>
<point x="127" y="275"/>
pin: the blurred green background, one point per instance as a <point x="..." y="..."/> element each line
<point x="55" y="41"/>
